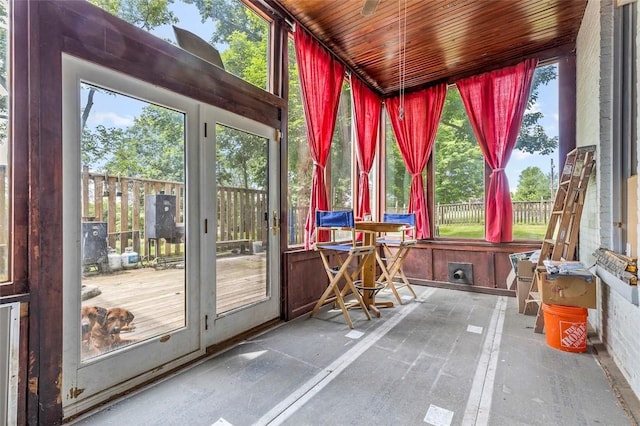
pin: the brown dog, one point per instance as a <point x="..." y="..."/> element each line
<point x="105" y="335"/>
<point x="89" y="317"/>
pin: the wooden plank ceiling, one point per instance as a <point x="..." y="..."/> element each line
<point x="445" y="39"/>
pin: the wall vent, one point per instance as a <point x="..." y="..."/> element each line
<point x="460" y="273"/>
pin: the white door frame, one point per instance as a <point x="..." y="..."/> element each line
<point x="84" y="385"/>
<point x="227" y="325"/>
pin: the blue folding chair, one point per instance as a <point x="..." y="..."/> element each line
<point x="338" y="268"/>
<point x="395" y="248"/>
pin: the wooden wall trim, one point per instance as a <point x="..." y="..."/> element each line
<point x="478" y="245"/>
<point x="566" y="107"/>
<point x="462" y="287"/>
<point x="92" y="34"/>
<point x="19" y="172"/>
<point x="45" y="216"/>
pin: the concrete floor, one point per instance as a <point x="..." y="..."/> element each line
<point x="448" y="358"/>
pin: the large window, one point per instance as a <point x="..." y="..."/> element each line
<point x="459" y="167"/>
<point x="237" y="33"/>
<point x="532" y="170"/>
<point x="340" y="164"/>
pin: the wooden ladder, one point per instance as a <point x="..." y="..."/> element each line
<point x="562" y="232"/>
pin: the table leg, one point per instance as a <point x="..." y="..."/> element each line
<point x="369" y="280"/>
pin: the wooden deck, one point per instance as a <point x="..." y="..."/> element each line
<point x="156" y="297"/>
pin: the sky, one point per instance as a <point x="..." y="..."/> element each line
<point x="189" y="19"/>
<point x="548" y="105"/>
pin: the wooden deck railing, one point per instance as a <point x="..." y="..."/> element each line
<point x="524" y="212"/>
<point x="120" y="202"/>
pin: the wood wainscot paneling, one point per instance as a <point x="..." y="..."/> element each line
<point x="304" y="278"/>
<point x="304" y="281"/>
<point x="428" y="263"/>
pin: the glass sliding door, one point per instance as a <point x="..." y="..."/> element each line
<point x="131" y="287"/>
<point x="242" y="167"/>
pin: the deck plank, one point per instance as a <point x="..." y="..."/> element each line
<point x="157" y="297"/>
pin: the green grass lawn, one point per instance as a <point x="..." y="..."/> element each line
<point x="520" y="232"/>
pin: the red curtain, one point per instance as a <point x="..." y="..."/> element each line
<point x="321" y="79"/>
<point x="415" y="133"/>
<point x="495" y="103"/>
<point x="366" y="108"/>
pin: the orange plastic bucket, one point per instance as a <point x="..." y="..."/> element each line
<point x="566" y="327"/>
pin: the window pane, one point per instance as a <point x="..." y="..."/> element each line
<point x="341" y="194"/>
<point x="300" y="165"/>
<point x="533" y="168"/>
<point x="397" y="179"/>
<point x="235" y="32"/>
<point x="459" y="174"/>
<point x="241" y="175"/>
<point x="4" y="139"/>
<point x="132" y="209"/>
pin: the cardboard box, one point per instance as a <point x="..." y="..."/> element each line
<point x="523" y="285"/>
<point x="511" y="279"/>
<point x="526" y="268"/>
<point x="567" y="291"/>
<point x="521" y="269"/>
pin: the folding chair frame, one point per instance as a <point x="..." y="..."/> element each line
<point x="391" y="263"/>
<point x="338" y="270"/>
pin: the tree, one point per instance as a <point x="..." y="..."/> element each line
<point x="340" y="153"/>
<point x="98" y="144"/>
<point x="146" y="14"/>
<point x="533" y="185"/>
<point x="459" y="173"/>
<point x="459" y="165"/>
<point x="236" y="20"/>
<point x="152" y="148"/>
<point x="398" y="180"/>
<point x="533" y="138"/>
<point x="300" y="164"/>
<point x="241" y="157"/>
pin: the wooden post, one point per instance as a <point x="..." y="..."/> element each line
<point x="112" y="212"/>
<point x="124" y="213"/>
<point x="85" y="193"/>
<point x="135" y="217"/>
<point x="99" y="185"/>
<point x="168" y="189"/>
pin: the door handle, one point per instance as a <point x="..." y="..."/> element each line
<point x="275" y="228"/>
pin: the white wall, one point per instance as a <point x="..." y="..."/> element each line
<point x="616" y="318"/>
